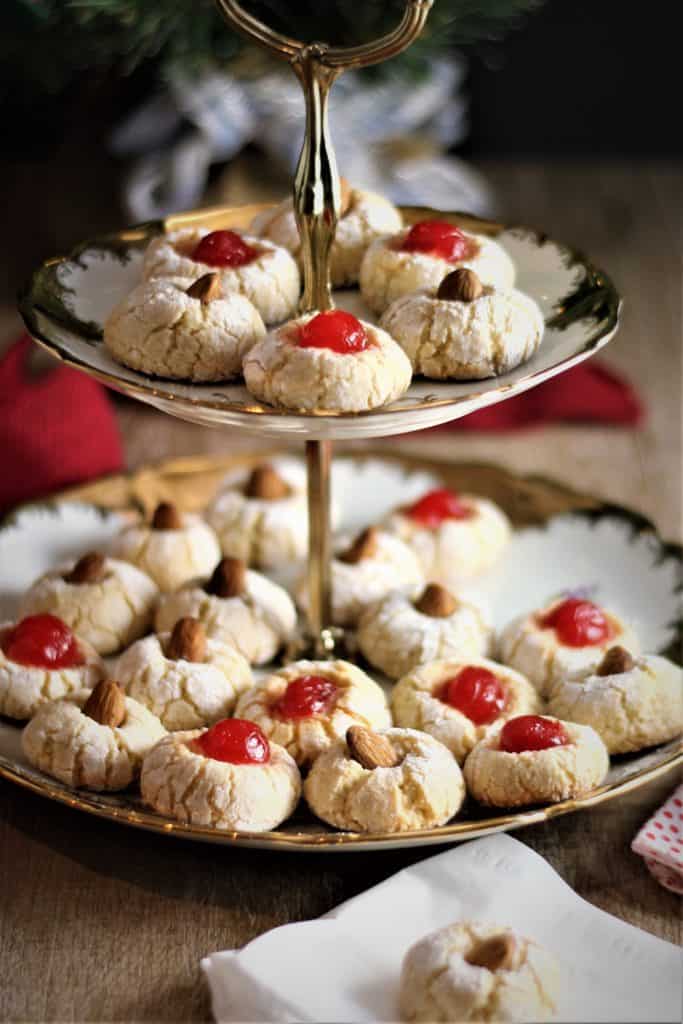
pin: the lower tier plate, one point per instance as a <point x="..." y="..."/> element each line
<point x="564" y="541"/>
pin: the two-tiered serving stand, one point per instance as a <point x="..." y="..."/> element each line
<point x="69" y="298"/>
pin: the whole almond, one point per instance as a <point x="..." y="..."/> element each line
<point x="229" y="578"/>
<point x="266" y="483"/>
<point x="187" y="641"/>
<point x="364" y="546"/>
<point x="436" y="602"/>
<point x="88" y="569"/>
<point x="345" y="190"/>
<point x="616" y="660"/>
<point x="496" y="954"/>
<point x="461" y="285"/>
<point x="167" y="517"/>
<point x="370" y="749"/>
<point x="206" y="288"/>
<point x="106" y="704"/>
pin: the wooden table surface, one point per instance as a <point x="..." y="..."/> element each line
<point x="100" y="922"/>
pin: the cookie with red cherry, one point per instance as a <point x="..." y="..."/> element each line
<point x="229" y="777"/>
<point x="264" y="273"/>
<point x="455" y="536"/>
<point x="536" y="759"/>
<point x="462" y="701"/>
<point x="42" y="659"/>
<point x="307" y="705"/>
<point x="565" y="639"/>
<point x="327" y="362"/>
<point x="421" y="256"/>
<point x="363" y="217"/>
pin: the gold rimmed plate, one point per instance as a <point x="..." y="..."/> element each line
<point x="573" y="541"/>
<point x="68" y="298"/>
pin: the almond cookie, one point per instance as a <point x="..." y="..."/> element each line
<point x="565" y="640"/>
<point x="466" y="331"/>
<point x="460" y="701"/>
<point x="421" y="256"/>
<point x="536" y="759"/>
<point x="261" y="515"/>
<point x="455" y="536"/>
<point x="263" y="273"/>
<point x="237" y="606"/>
<point x="631" y="702"/>
<point x="327" y="362"/>
<point x="398" y="633"/>
<point x="229" y="777"/>
<point x="92" y="742"/>
<point x="183" y="329"/>
<point x="107" y="602"/>
<point x="364" y="216"/>
<point x="394" y="781"/>
<point x="41" y="659"/>
<point x="374" y="565"/>
<point x="475" y="971"/>
<point x="185" y="678"/>
<point x="174" y="548"/>
<point x="308" y="705"/>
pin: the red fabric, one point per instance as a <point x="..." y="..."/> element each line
<point x="56" y="429"/>
<point x="588" y="393"/>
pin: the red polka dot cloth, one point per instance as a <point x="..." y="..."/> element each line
<point x="660" y="843"/>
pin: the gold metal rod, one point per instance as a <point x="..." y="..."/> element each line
<point x="319" y="461"/>
<point x="249" y="26"/>
<point x="387" y="46"/>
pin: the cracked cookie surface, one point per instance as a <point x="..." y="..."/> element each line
<point x="183" y="694"/>
<point x="271" y="282"/>
<point x="368" y="217"/>
<point x="415" y="703"/>
<point x="170" y="557"/>
<point x="358" y="701"/>
<point x="498" y="778"/>
<point x="257" y="623"/>
<point x="190" y="787"/>
<point x="630" y="710"/>
<point x="64" y="743"/>
<point x="424" y="790"/>
<point x="23" y="688"/>
<point x="280" y="372"/>
<point x="538" y="654"/>
<point x="109" y="614"/>
<point x="161" y="330"/>
<point x="395" y="637"/>
<point x="446" y="339"/>
<point x="440" y="984"/>
<point x="388" y="272"/>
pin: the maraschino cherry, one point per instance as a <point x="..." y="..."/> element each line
<point x="437" y="238"/>
<point x="532" y="732"/>
<point x="336" y="330"/>
<point x="224" y="249"/>
<point x="236" y="741"/>
<point x="43" y="641"/>
<point x="306" y="696"/>
<point x="578" y="623"/>
<point x="433" y="507"/>
<point x="476" y="692"/>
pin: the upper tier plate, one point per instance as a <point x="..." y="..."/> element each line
<point x="68" y="299"/>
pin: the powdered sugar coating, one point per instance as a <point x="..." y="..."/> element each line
<point x="271" y="282"/>
<point x="416" y="705"/>
<point x="182" y="783"/>
<point x="446" y="339"/>
<point x="282" y="373"/>
<point x="395" y="637"/>
<point x="425" y="790"/>
<point x="170" y="557"/>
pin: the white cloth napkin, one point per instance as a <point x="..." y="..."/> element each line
<point x="345" y="966"/>
<point x="660" y="843"/>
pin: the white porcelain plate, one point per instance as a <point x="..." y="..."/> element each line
<point x="68" y="299"/>
<point x="608" y="552"/>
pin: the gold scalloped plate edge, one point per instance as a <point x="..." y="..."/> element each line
<point x="599" y="284"/>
